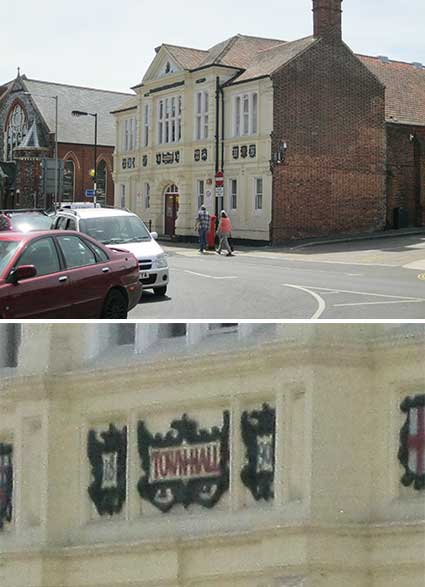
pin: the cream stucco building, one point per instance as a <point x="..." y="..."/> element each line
<point x="311" y="488"/>
<point x="195" y="113"/>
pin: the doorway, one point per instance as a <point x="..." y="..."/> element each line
<point x="171" y="209"/>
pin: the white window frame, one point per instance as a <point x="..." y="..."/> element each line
<point x="147" y="195"/>
<point x="169" y="127"/>
<point x="245" y="114"/>
<point x="146" y="116"/>
<point x="201" y="116"/>
<point x="122" y="196"/>
<point x="129" y="134"/>
<point x="125" y="136"/>
<point x="257" y="193"/>
<point x="233" y="195"/>
<point x="200" y="191"/>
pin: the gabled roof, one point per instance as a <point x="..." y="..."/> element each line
<point x="268" y="61"/>
<point x="238" y="51"/>
<point x="186" y="57"/>
<point x="72" y="129"/>
<point x="404" y="88"/>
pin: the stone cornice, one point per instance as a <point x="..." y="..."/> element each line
<point x="144" y="371"/>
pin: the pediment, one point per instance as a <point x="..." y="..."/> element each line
<point x="162" y="66"/>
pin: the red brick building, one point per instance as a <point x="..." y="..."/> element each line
<point x="353" y="132"/>
<point x="30" y="113"/>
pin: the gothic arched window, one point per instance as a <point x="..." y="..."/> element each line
<point x="101" y="182"/>
<point x="17" y="128"/>
<point x="68" y="181"/>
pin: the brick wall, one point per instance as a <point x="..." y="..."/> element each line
<point x="406" y="172"/>
<point x="329" y="109"/>
<point x="83" y="157"/>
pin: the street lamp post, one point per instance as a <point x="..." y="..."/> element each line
<point x="56" y="99"/>
<point x="94" y="114"/>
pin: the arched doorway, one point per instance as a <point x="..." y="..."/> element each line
<point x="171" y="209"/>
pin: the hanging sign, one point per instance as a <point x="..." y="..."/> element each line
<point x="185" y="466"/>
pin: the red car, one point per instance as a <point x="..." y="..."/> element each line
<point x="64" y="274"/>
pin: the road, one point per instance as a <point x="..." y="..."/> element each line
<point x="370" y="279"/>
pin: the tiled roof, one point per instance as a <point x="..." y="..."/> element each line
<point x="128" y="104"/>
<point x="238" y="51"/>
<point x="187" y="57"/>
<point x="269" y="60"/>
<point x="405" y="88"/>
<point x="71" y="129"/>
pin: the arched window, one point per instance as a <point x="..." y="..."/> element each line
<point x="101" y="182"/>
<point x="68" y="181"/>
<point x="16" y="130"/>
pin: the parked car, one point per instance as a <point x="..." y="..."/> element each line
<point x="61" y="274"/>
<point x="116" y="227"/>
<point x="26" y="220"/>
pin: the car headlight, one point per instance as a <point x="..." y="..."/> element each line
<point x="161" y="261"/>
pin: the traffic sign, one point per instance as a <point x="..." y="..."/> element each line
<point x="219" y="191"/>
<point x="219" y="179"/>
<point x="89" y="193"/>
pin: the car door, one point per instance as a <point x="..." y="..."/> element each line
<point x="46" y="294"/>
<point x="89" y="276"/>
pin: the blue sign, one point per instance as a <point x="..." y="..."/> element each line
<point x="89" y="193"/>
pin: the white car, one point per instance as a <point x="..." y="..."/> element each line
<point x="115" y="227"/>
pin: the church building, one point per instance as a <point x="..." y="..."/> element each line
<point x="35" y="119"/>
<point x="295" y="139"/>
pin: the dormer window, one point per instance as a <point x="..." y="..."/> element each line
<point x="168" y="67"/>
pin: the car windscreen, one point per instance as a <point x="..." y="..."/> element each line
<point x="7" y="250"/>
<point x="115" y="229"/>
<point x="29" y="222"/>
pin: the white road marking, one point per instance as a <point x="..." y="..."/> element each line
<point x="211" y="276"/>
<point x="418" y="301"/>
<point x="354" y="274"/>
<point x="310" y="260"/>
<point x="320" y="301"/>
<point x="363" y="293"/>
<point x="418" y="265"/>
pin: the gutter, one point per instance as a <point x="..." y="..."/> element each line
<point x="217" y="126"/>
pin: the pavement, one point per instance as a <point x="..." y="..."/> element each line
<point x="324" y="249"/>
<point x="376" y="278"/>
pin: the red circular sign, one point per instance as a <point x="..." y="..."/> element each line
<point x="219" y="179"/>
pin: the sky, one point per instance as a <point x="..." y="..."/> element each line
<point x="98" y="44"/>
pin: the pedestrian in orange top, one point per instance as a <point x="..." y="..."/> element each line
<point x="223" y="231"/>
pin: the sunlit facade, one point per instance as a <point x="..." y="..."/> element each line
<point x="212" y="455"/>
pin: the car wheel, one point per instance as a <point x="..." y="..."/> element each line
<point x="115" y="306"/>
<point x="160" y="291"/>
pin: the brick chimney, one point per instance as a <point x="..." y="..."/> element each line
<point x="327" y="16"/>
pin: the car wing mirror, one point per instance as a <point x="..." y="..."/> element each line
<point x="22" y="272"/>
<point x="154" y="235"/>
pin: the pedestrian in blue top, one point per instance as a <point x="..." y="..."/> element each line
<point x="202" y="225"/>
